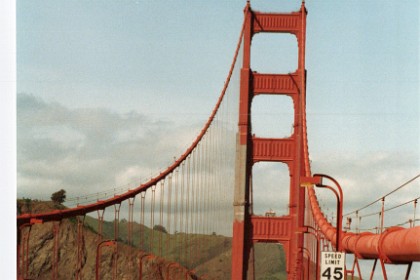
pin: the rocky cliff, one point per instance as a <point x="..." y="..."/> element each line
<point x="208" y="256"/>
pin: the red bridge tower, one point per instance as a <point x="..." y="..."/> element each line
<point x="248" y="228"/>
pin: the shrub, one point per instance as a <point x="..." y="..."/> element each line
<point x="160" y="228"/>
<point x="59" y="197"/>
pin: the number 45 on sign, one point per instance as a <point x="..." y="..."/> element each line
<point x="332" y="265"/>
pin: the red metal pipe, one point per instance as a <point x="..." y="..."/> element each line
<point x="391" y="246"/>
<point x="395" y="245"/>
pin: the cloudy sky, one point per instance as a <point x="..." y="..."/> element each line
<point x="108" y="92"/>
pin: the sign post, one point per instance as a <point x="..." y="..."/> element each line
<point x="332" y="266"/>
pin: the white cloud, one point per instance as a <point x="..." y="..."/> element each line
<point x="367" y="177"/>
<point x="87" y="150"/>
<point x="133" y="174"/>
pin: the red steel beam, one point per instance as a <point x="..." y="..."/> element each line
<point x="276" y="83"/>
<point x="395" y="245"/>
<point x="271" y="229"/>
<point x="272" y="149"/>
<point x="279" y="23"/>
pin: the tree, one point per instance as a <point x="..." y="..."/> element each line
<point x="59" y="197"/>
<point x="160" y="228"/>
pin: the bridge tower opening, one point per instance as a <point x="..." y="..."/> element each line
<point x="249" y="228"/>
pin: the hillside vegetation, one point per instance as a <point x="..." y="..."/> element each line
<point x="208" y="255"/>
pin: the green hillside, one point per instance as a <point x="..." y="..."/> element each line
<point x="206" y="254"/>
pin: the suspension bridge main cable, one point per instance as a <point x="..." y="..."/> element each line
<point x="389" y="209"/>
<point x="382" y="197"/>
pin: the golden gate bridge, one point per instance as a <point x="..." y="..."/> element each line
<point x="208" y="190"/>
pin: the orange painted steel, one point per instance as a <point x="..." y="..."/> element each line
<point x="292" y="151"/>
<point x="395" y="245"/>
<point x="271" y="229"/>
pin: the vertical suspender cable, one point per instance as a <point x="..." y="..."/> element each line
<point x="130" y="222"/>
<point x="130" y="230"/>
<point x="117" y="208"/>
<point x="222" y="167"/>
<point x="192" y="208"/>
<point x="142" y="226"/>
<point x="197" y="205"/>
<point x="216" y="167"/>
<point x="213" y="180"/>
<point x="100" y="213"/>
<point x="208" y="182"/>
<point x="169" y="213"/>
<point x="187" y="209"/>
<point x="218" y="178"/>
<point x="222" y="156"/>
<point x="196" y="210"/>
<point x="162" y="193"/>
<point x="382" y="215"/>
<point x="203" y="186"/>
<point x="176" y="194"/>
<point x="181" y="204"/>
<point x="152" y="219"/>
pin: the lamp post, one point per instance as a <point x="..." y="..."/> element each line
<point x="340" y="201"/>
<point x="316" y="180"/>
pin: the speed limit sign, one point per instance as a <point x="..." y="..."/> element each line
<point x="332" y="265"/>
